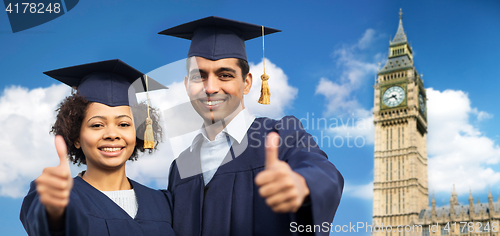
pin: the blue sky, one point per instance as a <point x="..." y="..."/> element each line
<point x="322" y="44"/>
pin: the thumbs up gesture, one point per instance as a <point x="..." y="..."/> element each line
<point x="55" y="183"/>
<point x="283" y="188"/>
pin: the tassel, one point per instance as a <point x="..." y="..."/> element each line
<point x="149" y="139"/>
<point x="265" y="93"/>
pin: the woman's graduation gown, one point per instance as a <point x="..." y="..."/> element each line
<point x="230" y="203"/>
<point x="90" y="212"/>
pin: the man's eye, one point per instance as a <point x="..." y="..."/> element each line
<point x="124" y="125"/>
<point x="226" y="76"/>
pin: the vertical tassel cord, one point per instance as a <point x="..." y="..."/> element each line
<point x="149" y="140"/>
<point x="147" y="94"/>
<point x="265" y="94"/>
<point x="263" y="52"/>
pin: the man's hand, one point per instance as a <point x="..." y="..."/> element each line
<point x="283" y="188"/>
<point x="54" y="185"/>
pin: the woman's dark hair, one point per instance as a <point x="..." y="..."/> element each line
<point x="70" y="116"/>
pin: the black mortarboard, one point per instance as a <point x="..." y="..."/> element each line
<point x="216" y="38"/>
<point x="111" y="82"/>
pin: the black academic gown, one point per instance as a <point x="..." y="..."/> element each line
<point x="90" y="212"/>
<point x="230" y="203"/>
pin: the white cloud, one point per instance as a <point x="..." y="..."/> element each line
<point x="282" y="93"/>
<point x="367" y="39"/>
<point x="482" y="115"/>
<point x="340" y="94"/>
<point x="356" y="128"/>
<point x="355" y="71"/>
<point x="458" y="152"/>
<point x="363" y="191"/>
<point x="27" y="147"/>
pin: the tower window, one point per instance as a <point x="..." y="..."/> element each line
<point x="425" y="231"/>
<point x="391" y="139"/>
<point x="387" y="171"/>
<point x="399" y="137"/>
<point x="403" y="201"/>
<point x="391" y="203"/>
<point x="386" y="204"/>
<point x="387" y="142"/>
<point x="391" y="170"/>
<point x="403" y="169"/>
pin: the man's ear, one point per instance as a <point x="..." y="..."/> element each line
<point x="248" y="83"/>
<point x="186" y="82"/>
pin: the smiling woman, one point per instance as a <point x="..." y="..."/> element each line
<point x="96" y="126"/>
<point x="75" y="108"/>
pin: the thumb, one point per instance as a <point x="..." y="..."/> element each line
<point x="62" y="151"/>
<point x="272" y="144"/>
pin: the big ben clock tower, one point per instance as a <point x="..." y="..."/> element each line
<point x="400" y="160"/>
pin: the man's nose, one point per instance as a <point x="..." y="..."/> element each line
<point x="212" y="84"/>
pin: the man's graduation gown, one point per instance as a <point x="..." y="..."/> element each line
<point x="230" y="203"/>
<point x="90" y="212"/>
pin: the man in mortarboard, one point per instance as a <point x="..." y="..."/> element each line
<point x="244" y="175"/>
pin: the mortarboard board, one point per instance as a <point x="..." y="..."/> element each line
<point x="216" y="38"/>
<point x="112" y="82"/>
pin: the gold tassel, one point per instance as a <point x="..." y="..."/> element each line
<point x="265" y="93"/>
<point x="149" y="139"/>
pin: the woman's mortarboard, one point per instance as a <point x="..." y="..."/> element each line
<point x="112" y="82"/>
<point x="215" y="38"/>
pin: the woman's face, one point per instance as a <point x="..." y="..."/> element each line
<point x="107" y="136"/>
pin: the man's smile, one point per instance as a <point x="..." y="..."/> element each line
<point x="212" y="103"/>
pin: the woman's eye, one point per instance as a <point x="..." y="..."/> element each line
<point x="96" y="125"/>
<point x="124" y="125"/>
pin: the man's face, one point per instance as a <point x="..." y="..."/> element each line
<point x="216" y="88"/>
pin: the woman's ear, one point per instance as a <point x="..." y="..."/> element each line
<point x="77" y="144"/>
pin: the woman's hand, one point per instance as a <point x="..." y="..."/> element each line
<point x="54" y="186"/>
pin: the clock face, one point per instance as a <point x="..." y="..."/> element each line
<point x="421" y="103"/>
<point x="393" y="96"/>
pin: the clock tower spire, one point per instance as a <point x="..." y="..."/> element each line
<point x="400" y="189"/>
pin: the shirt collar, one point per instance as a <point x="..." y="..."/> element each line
<point x="236" y="129"/>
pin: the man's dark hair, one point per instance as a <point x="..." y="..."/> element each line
<point x="72" y="111"/>
<point x="244" y="68"/>
<point x="242" y="64"/>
